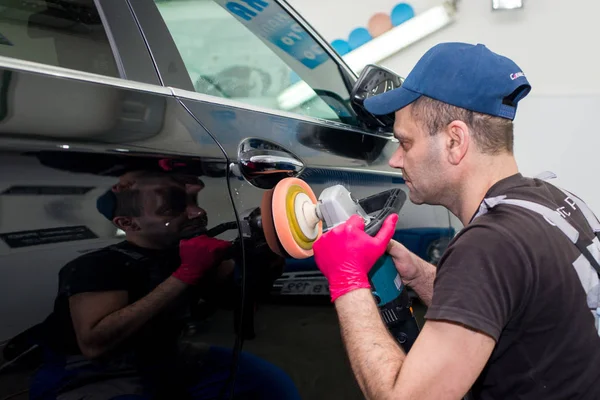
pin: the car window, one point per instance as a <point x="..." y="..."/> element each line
<point x="254" y="52"/>
<point x="66" y="34"/>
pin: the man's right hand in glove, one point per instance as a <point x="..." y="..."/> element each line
<point x="198" y="255"/>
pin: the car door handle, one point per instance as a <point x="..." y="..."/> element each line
<point x="269" y="163"/>
<point x="264" y="163"/>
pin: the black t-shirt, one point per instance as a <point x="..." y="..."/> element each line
<point x="127" y="267"/>
<point x="510" y="275"/>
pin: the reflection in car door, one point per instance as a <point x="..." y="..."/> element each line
<point x="209" y="53"/>
<point x="72" y="137"/>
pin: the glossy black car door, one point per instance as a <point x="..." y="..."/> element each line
<point x="83" y="117"/>
<point x="234" y="66"/>
<point x="256" y="76"/>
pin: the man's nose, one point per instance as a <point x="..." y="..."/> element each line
<point x="397" y="159"/>
<point x="193" y="211"/>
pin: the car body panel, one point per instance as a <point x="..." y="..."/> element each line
<point x="57" y="160"/>
<point x="68" y="134"/>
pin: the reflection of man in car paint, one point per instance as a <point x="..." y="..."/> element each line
<point x="158" y="209"/>
<point x="117" y="323"/>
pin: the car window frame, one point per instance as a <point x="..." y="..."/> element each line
<point x="127" y="42"/>
<point x="173" y="72"/>
<point x="348" y="76"/>
<point x="168" y="62"/>
<point x="128" y="48"/>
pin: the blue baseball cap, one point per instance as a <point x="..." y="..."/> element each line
<point x="463" y="75"/>
<point x="106" y="204"/>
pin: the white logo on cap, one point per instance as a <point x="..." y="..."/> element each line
<point x="516" y="75"/>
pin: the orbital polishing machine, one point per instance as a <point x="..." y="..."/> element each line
<point x="292" y="221"/>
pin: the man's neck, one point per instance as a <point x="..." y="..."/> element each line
<point x="476" y="184"/>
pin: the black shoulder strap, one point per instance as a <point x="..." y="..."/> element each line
<point x="554" y="219"/>
<point x="588" y="214"/>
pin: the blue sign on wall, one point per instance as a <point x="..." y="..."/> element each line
<point x="272" y="23"/>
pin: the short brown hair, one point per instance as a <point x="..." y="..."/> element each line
<point x="129" y="203"/>
<point x="493" y="135"/>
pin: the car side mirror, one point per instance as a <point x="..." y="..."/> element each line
<point x="374" y="80"/>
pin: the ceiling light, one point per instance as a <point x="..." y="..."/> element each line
<point x="506" y="4"/>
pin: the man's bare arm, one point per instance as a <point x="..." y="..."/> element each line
<point x="103" y="320"/>
<point x="414" y="271"/>
<point x="375" y="357"/>
<point x="444" y="362"/>
<point x="422" y="284"/>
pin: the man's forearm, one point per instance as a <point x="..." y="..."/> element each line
<point x="116" y="327"/>
<point x="375" y="356"/>
<point x="422" y="284"/>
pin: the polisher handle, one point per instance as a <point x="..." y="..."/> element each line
<point x="383" y="205"/>
<point x="390" y="294"/>
<point x="393" y="302"/>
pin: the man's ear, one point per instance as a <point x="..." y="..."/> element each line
<point x="126" y="224"/>
<point x="458" y="139"/>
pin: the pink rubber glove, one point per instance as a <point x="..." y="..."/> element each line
<point x="198" y="255"/>
<point x="346" y="254"/>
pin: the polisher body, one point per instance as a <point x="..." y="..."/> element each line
<point x="298" y="219"/>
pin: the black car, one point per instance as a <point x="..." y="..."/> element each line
<point x="92" y="92"/>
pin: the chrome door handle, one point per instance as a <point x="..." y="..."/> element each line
<point x="263" y="163"/>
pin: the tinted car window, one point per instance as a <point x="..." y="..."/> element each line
<point x="256" y="53"/>
<point x="66" y="34"/>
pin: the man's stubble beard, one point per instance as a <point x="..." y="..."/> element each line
<point x="433" y="179"/>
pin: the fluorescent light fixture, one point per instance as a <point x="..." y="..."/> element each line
<point x="378" y="49"/>
<point x="295" y="95"/>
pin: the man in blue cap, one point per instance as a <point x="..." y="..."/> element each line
<point x="508" y="316"/>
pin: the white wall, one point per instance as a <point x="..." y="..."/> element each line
<point x="556" y="44"/>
